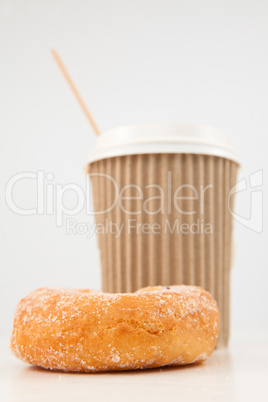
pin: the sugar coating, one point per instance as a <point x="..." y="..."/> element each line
<point x="87" y="331"/>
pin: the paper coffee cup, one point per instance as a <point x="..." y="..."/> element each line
<point x="162" y="209"/>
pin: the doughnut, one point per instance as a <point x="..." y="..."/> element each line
<point x="90" y="331"/>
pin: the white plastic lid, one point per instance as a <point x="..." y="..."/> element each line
<point x="162" y="138"/>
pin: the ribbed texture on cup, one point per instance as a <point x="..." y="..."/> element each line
<point x="134" y="260"/>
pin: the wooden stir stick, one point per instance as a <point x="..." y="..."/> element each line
<point x="75" y="92"/>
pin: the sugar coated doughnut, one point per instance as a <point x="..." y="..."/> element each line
<point x="87" y="331"/>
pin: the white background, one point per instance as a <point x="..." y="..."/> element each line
<point x="203" y="62"/>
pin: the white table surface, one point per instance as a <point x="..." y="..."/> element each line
<point x="239" y="373"/>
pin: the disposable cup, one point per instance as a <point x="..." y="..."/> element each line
<point x="163" y="210"/>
